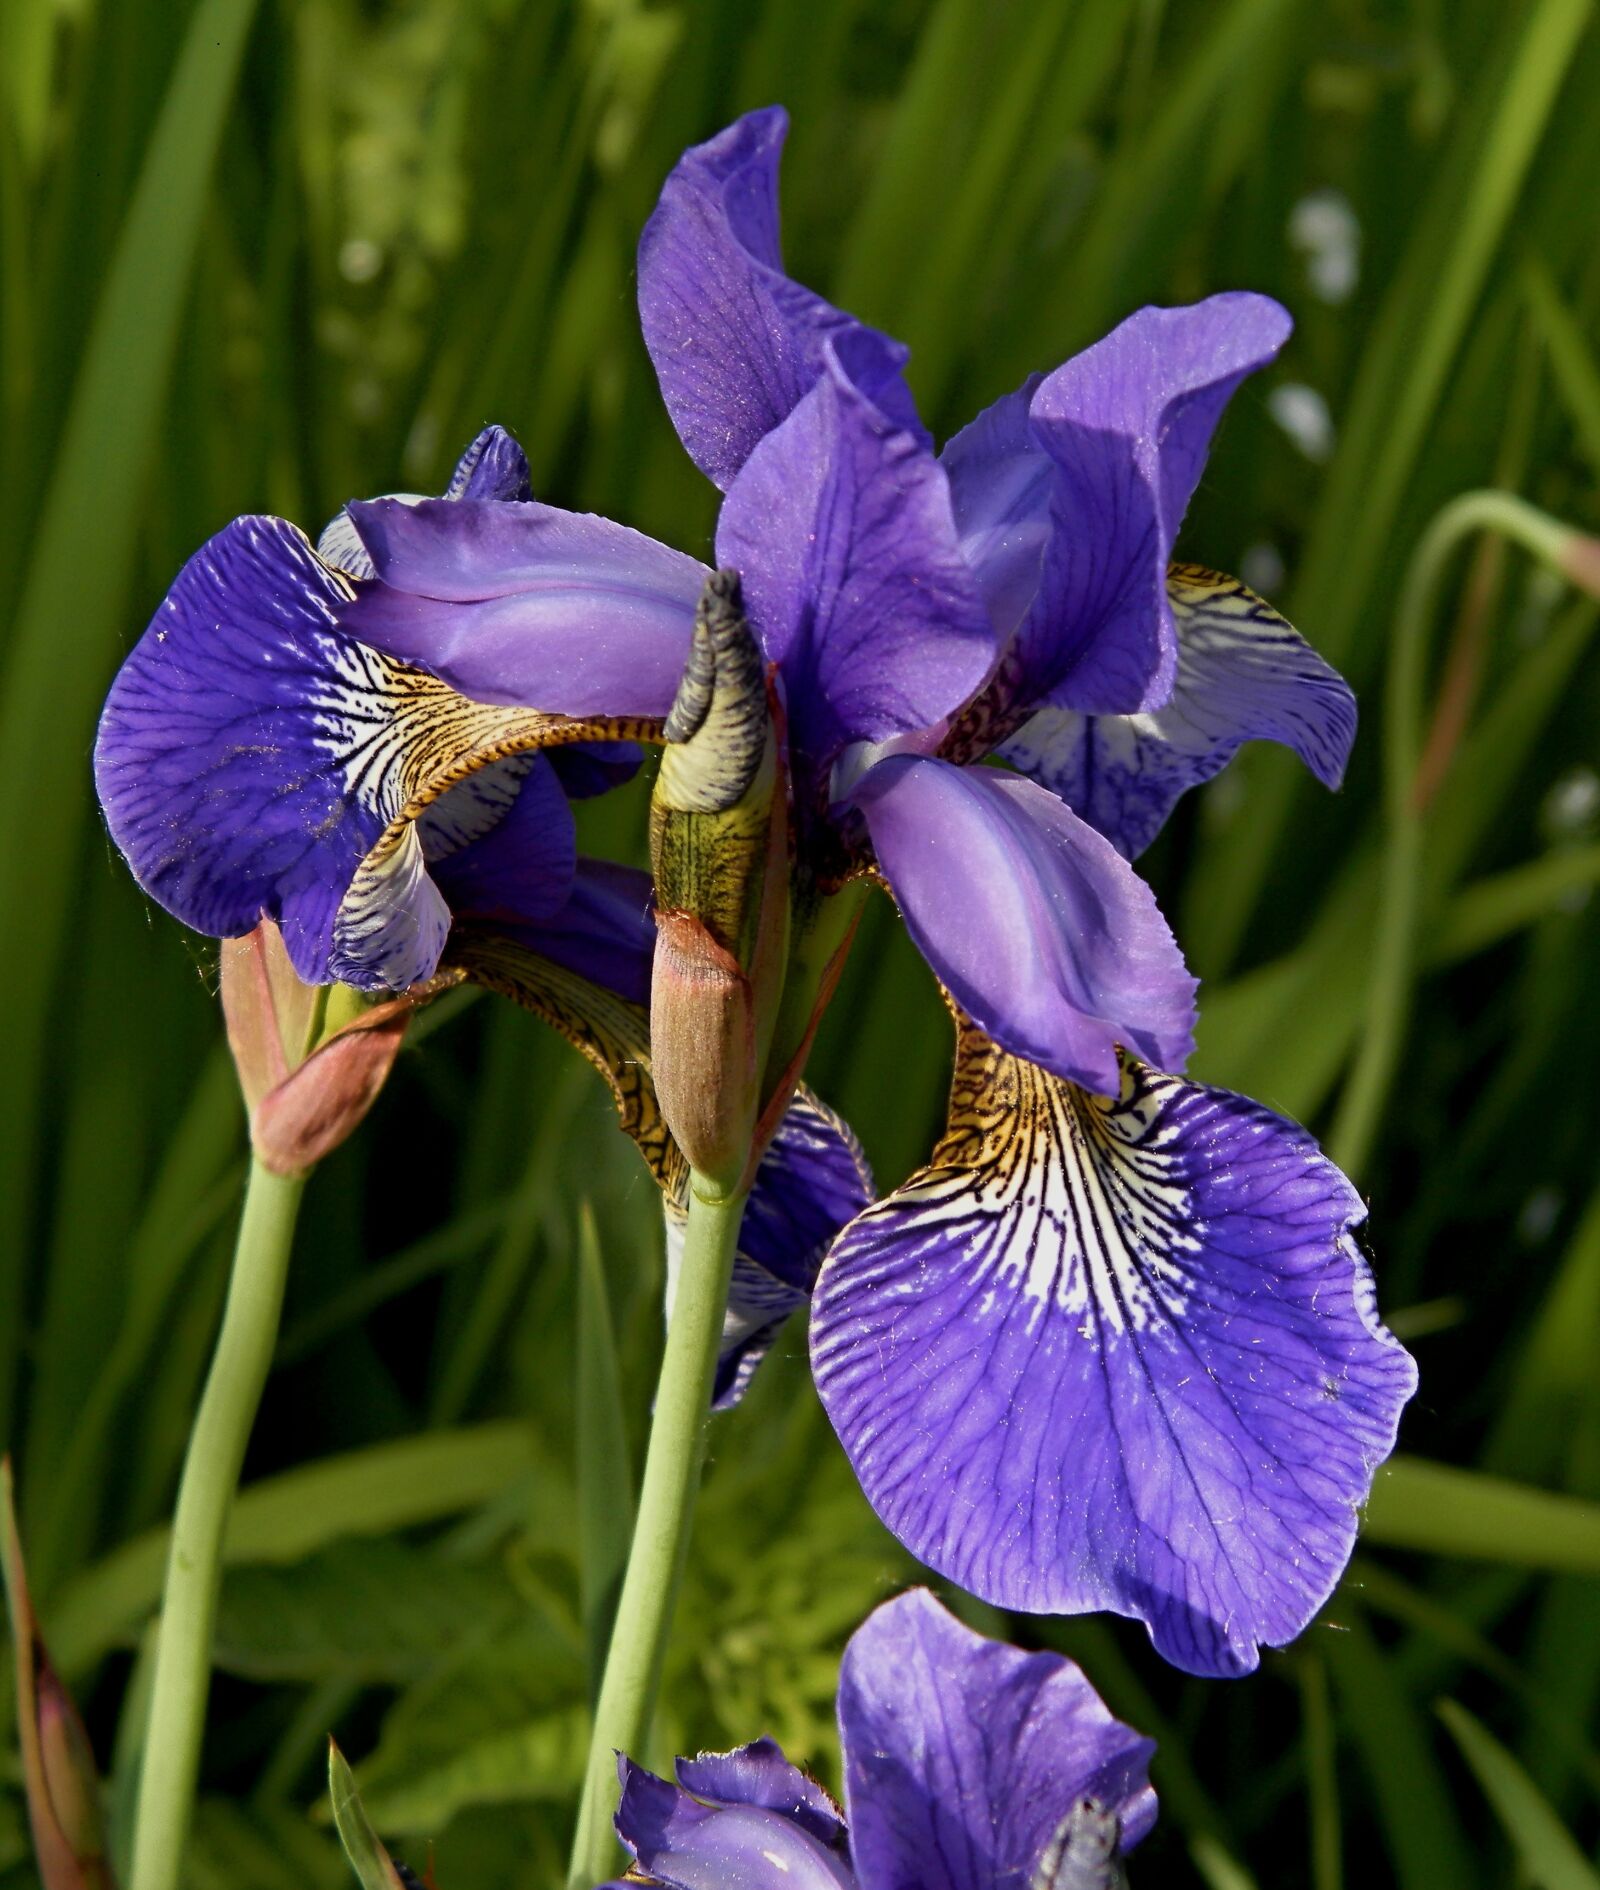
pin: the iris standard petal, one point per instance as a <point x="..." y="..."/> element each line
<point x="1116" y="1355"/>
<point x="999" y="477"/>
<point x="494" y="466"/>
<point x="963" y="1756"/>
<point x="254" y="761"/>
<point x="1243" y="675"/>
<point x="1128" y="424"/>
<point x="841" y="530"/>
<point x="759" y="1774"/>
<point x="811" y="1181"/>
<point x="736" y="343"/>
<point x="604" y="931"/>
<point x="527" y="604"/>
<point x="679" y="1842"/>
<point x="1033" y="922"/>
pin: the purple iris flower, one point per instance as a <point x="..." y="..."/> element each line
<point x="1116" y="1347"/>
<point x="255" y="760"/>
<point x="968" y="1765"/>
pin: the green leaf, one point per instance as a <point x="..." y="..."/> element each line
<point x="371" y="1862"/>
<point x="542" y="1760"/>
<point x="1544" y="1848"/>
<point x="374" y="1610"/>
<point x="1446" y="1511"/>
<point x="285" y="1518"/>
<point x="66" y="633"/>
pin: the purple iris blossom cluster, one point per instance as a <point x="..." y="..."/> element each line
<point x="967" y="1766"/>
<point x="1115" y="1347"/>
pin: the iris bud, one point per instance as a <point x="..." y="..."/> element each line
<point x="311" y="1059"/>
<point x="719" y="847"/>
<point x="63" y="1788"/>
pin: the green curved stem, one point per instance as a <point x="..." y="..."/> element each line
<point x="205" y="1495"/>
<point x="672" y="1467"/>
<point x="1395" y="947"/>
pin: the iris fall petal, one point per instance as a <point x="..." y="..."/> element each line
<point x="1116" y="1354"/>
<point x="1243" y="675"/>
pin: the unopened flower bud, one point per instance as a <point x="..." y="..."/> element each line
<point x="58" y="1769"/>
<point x="719" y="845"/>
<point x="311" y="1061"/>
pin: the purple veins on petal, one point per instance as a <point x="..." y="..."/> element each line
<point x="524" y="604"/>
<point x="1243" y="675"/>
<point x="1035" y="925"/>
<point x="1116" y="1355"/>
<point x="735" y="341"/>
<point x="841" y="528"/>
<point x="759" y="1774"/>
<point x="1127" y="425"/>
<point x="963" y="1756"/>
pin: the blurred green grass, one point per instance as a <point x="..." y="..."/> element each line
<point x="272" y="258"/>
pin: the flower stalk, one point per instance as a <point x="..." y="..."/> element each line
<point x="211" y="1469"/>
<point x="672" y="1466"/>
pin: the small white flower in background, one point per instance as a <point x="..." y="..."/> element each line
<point x="1326" y="230"/>
<point x="1303" y="414"/>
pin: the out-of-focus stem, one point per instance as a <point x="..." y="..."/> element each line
<point x="1395" y="947"/>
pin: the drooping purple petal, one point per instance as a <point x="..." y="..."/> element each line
<point x="1000" y="478"/>
<point x="1033" y="922"/>
<point x="690" y="1846"/>
<point x="759" y="1774"/>
<point x="590" y="768"/>
<point x="604" y="932"/>
<point x="247" y="758"/>
<point x="736" y="343"/>
<point x="494" y="466"/>
<point x="962" y="1756"/>
<point x="512" y="864"/>
<point x="1243" y="675"/>
<point x="1128" y="424"/>
<point x="526" y="604"/>
<point x="1116" y="1355"/>
<point x="840" y="527"/>
<point x="811" y="1181"/>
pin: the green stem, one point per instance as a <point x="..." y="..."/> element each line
<point x="1395" y="946"/>
<point x="661" y="1532"/>
<point x="194" y="1566"/>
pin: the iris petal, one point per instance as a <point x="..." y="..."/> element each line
<point x="736" y="343"/>
<point x="689" y="1846"/>
<point x="254" y="761"/>
<point x="1127" y="425"/>
<point x="963" y="1756"/>
<point x="841" y="528"/>
<point x="1116" y="1355"/>
<point x="494" y="466"/>
<point x="1032" y="921"/>
<point x="999" y="477"/>
<point x="1243" y="675"/>
<point x="527" y="604"/>
<point x="759" y="1774"/>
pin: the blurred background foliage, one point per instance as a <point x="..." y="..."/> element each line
<point x="269" y="257"/>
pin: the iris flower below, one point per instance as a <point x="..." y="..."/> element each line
<point x="968" y="1765"/>
<point x="1116" y="1346"/>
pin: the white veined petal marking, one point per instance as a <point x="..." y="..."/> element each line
<point x="1076" y="1201"/>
